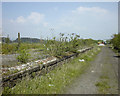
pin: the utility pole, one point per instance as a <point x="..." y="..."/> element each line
<point x="18" y="40"/>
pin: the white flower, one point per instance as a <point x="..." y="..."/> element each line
<point x="23" y="65"/>
<point x="44" y="63"/>
<point x="51" y="85"/>
<point x="28" y="63"/>
<point x="81" y="60"/>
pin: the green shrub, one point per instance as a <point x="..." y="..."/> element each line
<point x="23" y="56"/>
<point x="9" y="48"/>
<point x="61" y="47"/>
<point x="116" y="41"/>
<point x="12" y="48"/>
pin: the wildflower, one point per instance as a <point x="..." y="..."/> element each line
<point x="51" y="85"/>
<point x="81" y="60"/>
<point x="50" y="78"/>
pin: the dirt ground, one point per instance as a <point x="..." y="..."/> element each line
<point x="104" y="66"/>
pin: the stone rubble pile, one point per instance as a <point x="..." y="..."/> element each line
<point x="36" y="63"/>
<point x="29" y="65"/>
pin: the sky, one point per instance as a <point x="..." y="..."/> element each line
<point x="48" y="19"/>
<point x="0" y="18"/>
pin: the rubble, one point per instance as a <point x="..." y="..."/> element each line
<point x="29" y="65"/>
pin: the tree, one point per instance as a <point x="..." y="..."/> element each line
<point x="116" y="41"/>
<point x="7" y="40"/>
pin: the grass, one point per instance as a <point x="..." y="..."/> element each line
<point x="12" y="47"/>
<point x="56" y="81"/>
<point x="103" y="86"/>
<point x="104" y="77"/>
<point x="114" y="50"/>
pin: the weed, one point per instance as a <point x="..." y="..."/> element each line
<point x="66" y="45"/>
<point x="23" y="56"/>
<point x="103" y="86"/>
<point x="104" y="77"/>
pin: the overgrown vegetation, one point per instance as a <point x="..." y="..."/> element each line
<point x="56" y="81"/>
<point x="66" y="45"/>
<point x="23" y="56"/>
<point x="11" y="48"/>
<point x="116" y="41"/>
<point x="103" y="86"/>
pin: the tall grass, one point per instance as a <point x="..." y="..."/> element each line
<point x="56" y="81"/>
<point x="12" y="47"/>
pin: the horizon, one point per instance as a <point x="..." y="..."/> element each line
<point x="46" y="38"/>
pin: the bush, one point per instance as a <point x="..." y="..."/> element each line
<point x="9" y="48"/>
<point x="61" y="47"/>
<point x="116" y="41"/>
<point x="12" y="48"/>
<point x="23" y="56"/>
<point x="66" y="44"/>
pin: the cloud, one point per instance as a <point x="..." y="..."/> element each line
<point x="45" y="24"/>
<point x="34" y="17"/>
<point x="20" y="19"/>
<point x="84" y="17"/>
<point x="89" y="22"/>
<point x="90" y="9"/>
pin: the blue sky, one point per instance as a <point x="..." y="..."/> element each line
<point x="89" y="20"/>
<point x="0" y="18"/>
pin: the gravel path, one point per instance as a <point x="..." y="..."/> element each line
<point x="105" y="62"/>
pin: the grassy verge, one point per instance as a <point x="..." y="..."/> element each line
<point x="103" y="86"/>
<point x="114" y="50"/>
<point x="56" y="81"/>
